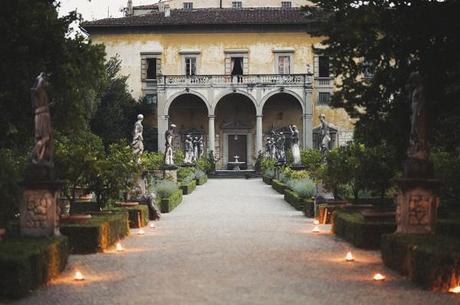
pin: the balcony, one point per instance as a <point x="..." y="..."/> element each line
<point x="323" y="82"/>
<point x="235" y="81"/>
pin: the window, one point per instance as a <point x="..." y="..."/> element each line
<point x="324" y="98"/>
<point x="284" y="64"/>
<point x="151" y="99"/>
<point x="237" y="66"/>
<point x="151" y="68"/>
<point x="188" y="5"/>
<point x="237" y="4"/>
<point x="323" y="70"/>
<point x="190" y="66"/>
<point x="286" y="4"/>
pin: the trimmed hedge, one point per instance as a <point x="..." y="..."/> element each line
<point x="352" y="227"/>
<point x="27" y="263"/>
<point x="278" y="186"/>
<point x="293" y="199"/>
<point x="202" y="180"/>
<point x="267" y="180"/>
<point x="82" y="207"/>
<point x="431" y="261"/>
<point x="187" y="189"/>
<point x="170" y="203"/>
<point x="138" y="215"/>
<point x="97" y="233"/>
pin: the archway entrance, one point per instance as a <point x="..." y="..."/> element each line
<point x="235" y="131"/>
<point x="280" y="111"/>
<point x="190" y="114"/>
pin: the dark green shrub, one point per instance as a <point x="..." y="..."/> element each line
<point x="167" y="204"/>
<point x="278" y="186"/>
<point x="188" y="188"/>
<point x="138" y="215"/>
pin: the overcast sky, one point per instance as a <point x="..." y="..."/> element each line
<point x="97" y="9"/>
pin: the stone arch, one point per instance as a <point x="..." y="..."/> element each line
<point x="172" y="98"/>
<point x="221" y="96"/>
<point x="275" y="92"/>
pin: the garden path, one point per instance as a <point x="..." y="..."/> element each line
<point x="232" y="242"/>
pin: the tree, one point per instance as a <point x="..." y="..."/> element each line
<point x="34" y="40"/>
<point x="386" y="41"/>
<point x="116" y="113"/>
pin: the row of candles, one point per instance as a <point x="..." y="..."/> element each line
<point x="78" y="276"/>
<point x="378" y="277"/>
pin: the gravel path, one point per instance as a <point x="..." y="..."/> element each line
<point x="233" y="242"/>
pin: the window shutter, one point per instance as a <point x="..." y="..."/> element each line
<point x="158" y="67"/>
<point x="143" y="68"/>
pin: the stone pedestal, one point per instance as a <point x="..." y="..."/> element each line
<point x="39" y="213"/>
<point x="417" y="205"/>
<point x="418" y="198"/>
<point x="170" y="172"/>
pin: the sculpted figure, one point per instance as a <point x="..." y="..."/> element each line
<point x="188" y="149"/>
<point x="325" y="135"/>
<point x="200" y="147"/>
<point x="279" y="143"/>
<point x="295" y="144"/>
<point x="418" y="143"/>
<point x="196" y="145"/>
<point x="138" y="138"/>
<point x="43" y="150"/>
<point x="169" y="154"/>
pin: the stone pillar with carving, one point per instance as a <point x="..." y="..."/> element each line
<point x="211" y="136"/>
<point x="418" y="196"/>
<point x="39" y="213"/>
<point x="259" y="140"/>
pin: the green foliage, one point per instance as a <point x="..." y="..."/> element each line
<point x="447" y="169"/>
<point x="211" y="162"/>
<point x="269" y="172"/>
<point x="34" y="40"/>
<point x="291" y="174"/>
<point x="178" y="157"/>
<point x="199" y="173"/>
<point x="313" y="162"/>
<point x="304" y="187"/>
<point x="392" y="39"/>
<point x="77" y="157"/>
<point x="186" y="174"/>
<point x="267" y="163"/>
<point x="204" y="164"/>
<point x="112" y="176"/>
<point x="152" y="160"/>
<point x="11" y="167"/>
<point x="165" y="188"/>
<point x="117" y="111"/>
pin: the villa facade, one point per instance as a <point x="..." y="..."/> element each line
<point x="230" y="72"/>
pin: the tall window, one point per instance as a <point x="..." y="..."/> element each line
<point x="151" y="68"/>
<point x="237" y="4"/>
<point x="188" y="5"/>
<point x="286" y="4"/>
<point x="237" y="66"/>
<point x="190" y="66"/>
<point x="284" y="64"/>
<point x="324" y="69"/>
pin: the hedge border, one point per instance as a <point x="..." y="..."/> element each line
<point x="362" y="234"/>
<point x="267" y="180"/>
<point x="187" y="189"/>
<point x="97" y="233"/>
<point x="27" y="263"/>
<point x="138" y="216"/>
<point x="278" y="186"/>
<point x="202" y="180"/>
<point x="430" y="261"/>
<point x="170" y="203"/>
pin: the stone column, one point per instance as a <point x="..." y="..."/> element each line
<point x="211" y="135"/>
<point x="259" y="140"/>
<point x="307" y="118"/>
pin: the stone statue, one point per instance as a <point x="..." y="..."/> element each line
<point x="169" y="154"/>
<point x="325" y="135"/>
<point x="138" y="138"/>
<point x="188" y="149"/>
<point x="295" y="144"/>
<point x="200" y="147"/>
<point x="418" y="142"/>
<point x="196" y="146"/>
<point x="279" y="145"/>
<point x="42" y="152"/>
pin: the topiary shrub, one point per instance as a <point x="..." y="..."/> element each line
<point x="304" y="188"/>
<point x="165" y="188"/>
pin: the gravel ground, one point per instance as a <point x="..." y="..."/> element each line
<point x="233" y="242"/>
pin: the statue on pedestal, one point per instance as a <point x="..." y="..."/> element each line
<point x="279" y="146"/>
<point x="200" y="147"/>
<point x="169" y="153"/>
<point x="196" y="146"/>
<point x="295" y="145"/>
<point x="325" y="135"/>
<point x="138" y="138"/>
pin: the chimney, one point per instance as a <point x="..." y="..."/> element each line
<point x="129" y="9"/>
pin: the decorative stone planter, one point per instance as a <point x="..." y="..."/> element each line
<point x="170" y="203"/>
<point x="187" y="189"/>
